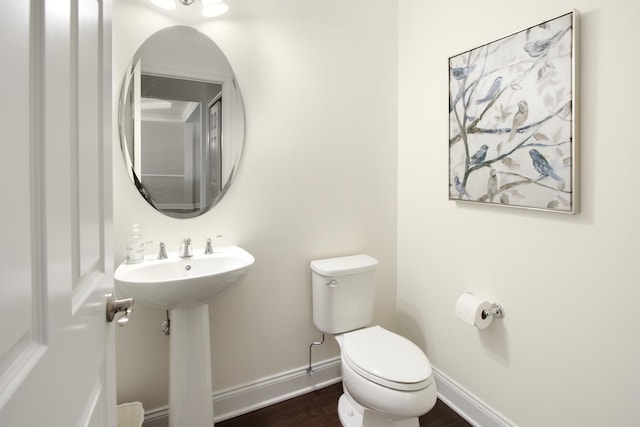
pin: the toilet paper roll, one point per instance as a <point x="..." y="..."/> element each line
<point x="469" y="309"/>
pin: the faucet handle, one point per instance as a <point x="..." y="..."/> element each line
<point x="185" y="248"/>
<point x="162" y="252"/>
<point x="208" y="249"/>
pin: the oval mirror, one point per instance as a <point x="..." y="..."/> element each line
<point x="181" y="122"/>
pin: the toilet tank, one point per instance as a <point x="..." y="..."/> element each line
<point x="343" y="291"/>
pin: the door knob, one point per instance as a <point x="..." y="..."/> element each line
<point x="115" y="306"/>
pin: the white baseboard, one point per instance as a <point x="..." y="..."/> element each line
<point x="238" y="400"/>
<point x="235" y="401"/>
<point x="465" y="404"/>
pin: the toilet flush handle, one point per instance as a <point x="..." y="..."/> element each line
<point x="333" y="283"/>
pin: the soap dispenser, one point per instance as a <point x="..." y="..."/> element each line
<point x="135" y="246"/>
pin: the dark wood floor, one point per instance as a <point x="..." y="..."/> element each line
<point x="320" y="408"/>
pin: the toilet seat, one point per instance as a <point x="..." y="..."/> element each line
<point x="387" y="359"/>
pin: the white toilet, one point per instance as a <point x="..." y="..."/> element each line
<point x="386" y="378"/>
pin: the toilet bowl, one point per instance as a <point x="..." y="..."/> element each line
<point x="387" y="379"/>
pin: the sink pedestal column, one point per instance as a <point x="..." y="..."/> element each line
<point x="190" y="392"/>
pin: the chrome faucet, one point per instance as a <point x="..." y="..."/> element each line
<point x="208" y="249"/>
<point x="185" y="248"/>
<point x="162" y="252"/>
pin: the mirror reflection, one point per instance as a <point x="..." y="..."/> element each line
<point x="181" y="122"/>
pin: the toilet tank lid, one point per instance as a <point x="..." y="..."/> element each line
<point x="344" y="265"/>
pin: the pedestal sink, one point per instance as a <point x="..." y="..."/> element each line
<point x="185" y="286"/>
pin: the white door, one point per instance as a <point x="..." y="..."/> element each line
<point x="56" y="349"/>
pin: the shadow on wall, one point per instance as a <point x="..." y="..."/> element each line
<point x="494" y="339"/>
<point x="411" y="329"/>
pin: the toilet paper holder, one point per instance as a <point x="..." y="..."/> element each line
<point x="496" y="311"/>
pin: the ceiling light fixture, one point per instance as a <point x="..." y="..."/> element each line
<point x="210" y="8"/>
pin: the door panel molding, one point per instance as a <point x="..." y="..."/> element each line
<point x="24" y="306"/>
<point x="57" y="362"/>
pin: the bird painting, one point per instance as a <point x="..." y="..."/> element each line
<point x="519" y="118"/>
<point x="492" y="92"/>
<point x="460" y="187"/>
<point x="542" y="165"/>
<point x="540" y="47"/>
<point x="511" y="122"/>
<point x="460" y="73"/>
<point x="479" y="156"/>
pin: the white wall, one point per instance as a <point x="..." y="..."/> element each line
<point x="567" y="353"/>
<point x="318" y="179"/>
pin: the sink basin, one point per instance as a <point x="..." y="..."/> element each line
<point x="184" y="282"/>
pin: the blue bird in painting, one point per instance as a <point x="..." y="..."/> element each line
<point x="492" y="92"/>
<point x="459" y="187"/>
<point x="538" y="47"/>
<point x="461" y="72"/>
<point x="541" y="47"/>
<point x="542" y="165"/>
<point x="480" y="155"/>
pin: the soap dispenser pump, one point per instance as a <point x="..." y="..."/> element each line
<point x="135" y="246"/>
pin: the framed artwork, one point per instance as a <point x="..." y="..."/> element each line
<point x="215" y="122"/>
<point x="215" y="147"/>
<point x="511" y="119"/>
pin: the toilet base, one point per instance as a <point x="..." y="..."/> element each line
<point x="349" y="415"/>
<point x="352" y="414"/>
